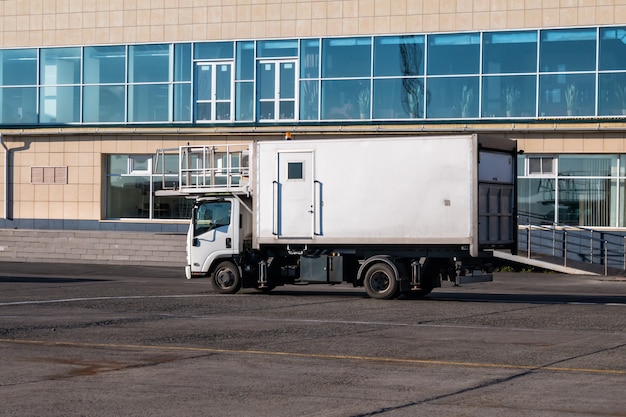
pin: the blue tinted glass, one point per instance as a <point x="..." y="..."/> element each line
<point x="182" y="102"/>
<point x="452" y="97"/>
<point x="19" y="105"/>
<point x="59" y="105"/>
<point x="203" y="82"/>
<point x="398" y="98"/>
<point x="149" y="63"/>
<point x="223" y="81"/>
<point x="18" y="67"/>
<point x="567" y="95"/>
<point x="103" y="103"/>
<point x="613" y="48"/>
<point x="612" y="93"/>
<point x="509" y="96"/>
<point x="60" y="66"/>
<point x="346" y="57"/>
<point x="244" y="101"/>
<point x="587" y="165"/>
<point x="182" y="62"/>
<point x="344" y="99"/>
<point x="245" y="61"/>
<point x="454" y="54"/>
<point x="509" y="52"/>
<point x="148" y="103"/>
<point x="568" y="50"/>
<point x="309" y="100"/>
<point x="310" y="58"/>
<point x="398" y="55"/>
<point x="104" y="64"/>
<point x="277" y="48"/>
<point x="213" y="50"/>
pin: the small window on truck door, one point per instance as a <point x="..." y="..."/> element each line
<point x="295" y="170"/>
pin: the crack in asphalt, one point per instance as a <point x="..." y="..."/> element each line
<point x="486" y="384"/>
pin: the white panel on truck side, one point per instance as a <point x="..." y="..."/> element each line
<point x="410" y="190"/>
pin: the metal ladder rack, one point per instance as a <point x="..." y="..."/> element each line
<point x="206" y="169"/>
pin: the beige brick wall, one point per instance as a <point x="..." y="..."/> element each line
<point x="25" y="23"/>
<point x="81" y="198"/>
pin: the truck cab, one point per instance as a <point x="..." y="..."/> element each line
<point x="218" y="231"/>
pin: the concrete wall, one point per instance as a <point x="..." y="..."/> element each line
<point x="94" y="247"/>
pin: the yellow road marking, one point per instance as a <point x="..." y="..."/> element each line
<point x="316" y="356"/>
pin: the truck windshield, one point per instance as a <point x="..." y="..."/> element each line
<point x="211" y="215"/>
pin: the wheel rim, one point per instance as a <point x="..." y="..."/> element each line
<point x="379" y="282"/>
<point x="224" y="278"/>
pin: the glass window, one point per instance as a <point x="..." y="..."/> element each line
<point x="245" y="61"/>
<point x="244" y="101"/>
<point x="540" y="165"/>
<point x="509" y="96"/>
<point x="346" y="57"/>
<point x="213" y="50"/>
<point x="398" y="55"/>
<point x="277" y="48"/>
<point x="182" y="62"/>
<point x="509" y="52"/>
<point x="585" y="201"/>
<point x="568" y="50"/>
<point x="587" y="165"/>
<point x="612" y="94"/>
<point x="398" y="98"/>
<point x="452" y="97"/>
<point x="612" y="48"/>
<point x="537" y="199"/>
<point x="295" y="171"/>
<point x="104" y="65"/>
<point x="149" y="63"/>
<point x="130" y="187"/>
<point x="211" y="215"/>
<point x="309" y="100"/>
<point x="103" y="103"/>
<point x="310" y="58"/>
<point x="19" y="105"/>
<point x="567" y="95"/>
<point x="127" y="197"/>
<point x="60" y="66"/>
<point x="213" y="90"/>
<point x="18" y="67"/>
<point x="182" y="102"/>
<point x="340" y="99"/>
<point x="148" y="103"/>
<point x="454" y="54"/>
<point x="59" y="104"/>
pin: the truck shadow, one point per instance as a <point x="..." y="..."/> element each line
<point x="474" y="297"/>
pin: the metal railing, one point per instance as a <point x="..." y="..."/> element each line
<point x="206" y="168"/>
<point x="574" y="245"/>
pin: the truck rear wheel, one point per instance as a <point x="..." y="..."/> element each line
<point x="380" y="282"/>
<point x="225" y="279"/>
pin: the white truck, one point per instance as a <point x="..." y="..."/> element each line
<point x="392" y="214"/>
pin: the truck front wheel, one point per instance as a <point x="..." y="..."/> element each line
<point x="225" y="279"/>
<point x="380" y="282"/>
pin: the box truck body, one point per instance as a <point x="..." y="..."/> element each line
<point x="395" y="214"/>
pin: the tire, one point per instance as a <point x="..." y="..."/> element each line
<point x="225" y="279"/>
<point x="380" y="282"/>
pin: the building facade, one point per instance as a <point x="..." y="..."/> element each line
<point x="91" y="89"/>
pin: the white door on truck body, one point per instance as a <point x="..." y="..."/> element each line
<point x="294" y="212"/>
